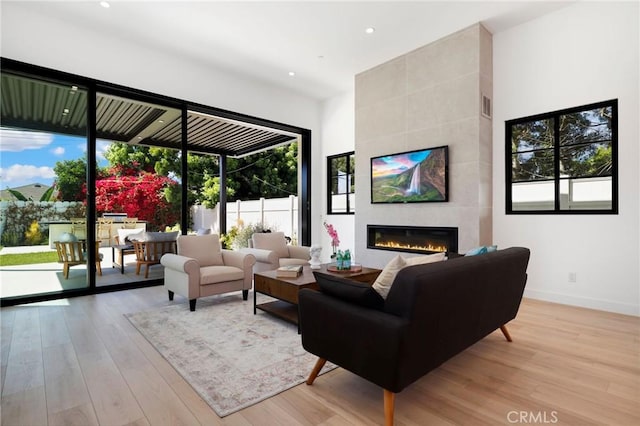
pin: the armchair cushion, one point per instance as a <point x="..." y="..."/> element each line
<point x="219" y="274"/>
<point x="349" y="290"/>
<point x="205" y="249"/>
<point x="271" y="241"/>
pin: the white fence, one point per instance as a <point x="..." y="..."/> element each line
<point x="278" y="214"/>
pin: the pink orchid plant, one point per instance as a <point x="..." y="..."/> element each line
<point x="333" y="234"/>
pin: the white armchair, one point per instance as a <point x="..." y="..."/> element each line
<point x="202" y="268"/>
<point x="272" y="251"/>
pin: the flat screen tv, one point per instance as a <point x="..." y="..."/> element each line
<point x="411" y="177"/>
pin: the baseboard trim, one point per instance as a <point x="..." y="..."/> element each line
<point x="585" y="302"/>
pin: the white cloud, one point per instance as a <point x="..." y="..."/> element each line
<point x="57" y="151"/>
<point x="21" y="172"/>
<point x="101" y="147"/>
<point x="20" y="140"/>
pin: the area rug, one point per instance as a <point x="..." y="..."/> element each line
<point x="230" y="356"/>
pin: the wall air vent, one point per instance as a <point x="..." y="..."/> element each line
<point x="486" y="105"/>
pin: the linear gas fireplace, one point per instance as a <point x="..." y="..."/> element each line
<point x="413" y="239"/>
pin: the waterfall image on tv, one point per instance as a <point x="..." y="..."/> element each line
<point x="410" y="177"/>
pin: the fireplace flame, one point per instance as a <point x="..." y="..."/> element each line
<point x="395" y="245"/>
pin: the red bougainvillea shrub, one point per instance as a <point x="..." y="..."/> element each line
<point x="138" y="193"/>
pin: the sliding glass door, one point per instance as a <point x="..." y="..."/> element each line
<point x="86" y="165"/>
<point x="43" y="225"/>
<point x="137" y="185"/>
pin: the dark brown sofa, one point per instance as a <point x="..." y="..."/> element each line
<point x="432" y="312"/>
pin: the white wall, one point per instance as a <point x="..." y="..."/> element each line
<point x="589" y="53"/>
<point x="34" y="38"/>
<point x="64" y="45"/>
<point x="338" y="133"/>
<point x="580" y="54"/>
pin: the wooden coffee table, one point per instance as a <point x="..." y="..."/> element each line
<point x="286" y="289"/>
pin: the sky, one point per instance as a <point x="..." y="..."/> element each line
<point x="29" y="157"/>
<point x="397" y="163"/>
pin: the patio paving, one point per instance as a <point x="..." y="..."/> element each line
<point x="37" y="278"/>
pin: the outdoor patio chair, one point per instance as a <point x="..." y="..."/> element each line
<point x="104" y="229"/>
<point x="72" y="253"/>
<point x="149" y="253"/>
<point x="79" y="227"/>
<point x="129" y="222"/>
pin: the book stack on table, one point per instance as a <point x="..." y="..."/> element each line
<point x="289" y="271"/>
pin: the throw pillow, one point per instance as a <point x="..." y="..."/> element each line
<point x="349" y="290"/>
<point x="384" y="281"/>
<point x="429" y="258"/>
<point x="127" y="235"/>
<point x="491" y="248"/>
<point x="476" y="250"/>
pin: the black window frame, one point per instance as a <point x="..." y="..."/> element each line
<point x="554" y="116"/>
<point x="350" y="209"/>
<point x="94" y="86"/>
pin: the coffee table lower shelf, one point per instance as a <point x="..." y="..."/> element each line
<point x="286" y="290"/>
<point x="281" y="309"/>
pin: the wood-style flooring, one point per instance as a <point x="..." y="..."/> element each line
<point x="80" y="362"/>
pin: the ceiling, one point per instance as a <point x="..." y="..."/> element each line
<point x="323" y="43"/>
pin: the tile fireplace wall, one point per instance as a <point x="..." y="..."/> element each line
<point x="427" y="98"/>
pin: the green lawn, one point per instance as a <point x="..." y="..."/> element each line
<point x="28" y="258"/>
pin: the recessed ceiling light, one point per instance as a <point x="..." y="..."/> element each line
<point x="160" y="121"/>
<point x="105" y="4"/>
<point x="65" y="111"/>
<point x="291" y="73"/>
<point x="370" y="30"/>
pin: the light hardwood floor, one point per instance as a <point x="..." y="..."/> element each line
<point x="80" y="362"/>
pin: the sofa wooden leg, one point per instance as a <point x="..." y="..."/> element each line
<point x="504" y="330"/>
<point x="316" y="370"/>
<point x="192" y="305"/>
<point x="245" y="294"/>
<point x="389" y="398"/>
<point x="170" y="294"/>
